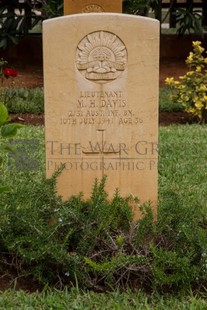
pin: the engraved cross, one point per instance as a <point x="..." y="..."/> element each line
<point x="102" y="148"/>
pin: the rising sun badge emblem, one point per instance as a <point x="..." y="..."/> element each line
<point x="101" y="57"/>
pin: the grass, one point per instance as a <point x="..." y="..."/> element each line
<point x="182" y="161"/>
<point x="182" y="169"/>
<point x="183" y="164"/>
<point x="62" y="300"/>
<point x="182" y="183"/>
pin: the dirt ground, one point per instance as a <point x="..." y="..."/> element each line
<point x="171" y="68"/>
<point x="32" y="76"/>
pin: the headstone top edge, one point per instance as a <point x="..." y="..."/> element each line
<point x="100" y="15"/>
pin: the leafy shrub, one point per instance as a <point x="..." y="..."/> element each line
<point x="96" y="243"/>
<point x="137" y="7"/>
<point x="179" y="256"/>
<point x="51" y="238"/>
<point x="14" y="22"/>
<point x="189" y="20"/>
<point x="52" y="8"/>
<point x="19" y="18"/>
<point x="166" y="104"/>
<point x="191" y="90"/>
<point x="23" y="100"/>
<point x="6" y="131"/>
<point x="6" y="72"/>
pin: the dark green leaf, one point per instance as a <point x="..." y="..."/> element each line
<point x="3" y="114"/>
<point x="10" y="130"/>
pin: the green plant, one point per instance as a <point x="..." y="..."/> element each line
<point x="23" y="100"/>
<point x="14" y="21"/>
<point x="191" y="90"/>
<point x="3" y="64"/>
<point x="51" y="238"/>
<point x="6" y="72"/>
<point x="19" y="18"/>
<point x="6" y="131"/>
<point x="166" y="104"/>
<point x="94" y="244"/>
<point x="88" y="300"/>
<point x="52" y="8"/>
<point x="139" y="7"/>
<point x="189" y="20"/>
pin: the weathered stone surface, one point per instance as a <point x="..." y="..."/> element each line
<point x="95" y="6"/>
<point x="101" y="103"/>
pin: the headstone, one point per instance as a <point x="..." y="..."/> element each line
<point x="95" y="6"/>
<point x="101" y="103"/>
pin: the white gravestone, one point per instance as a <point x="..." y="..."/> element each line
<point x="101" y="74"/>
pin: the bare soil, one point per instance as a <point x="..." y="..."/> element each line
<point x="174" y="67"/>
<point x="30" y="76"/>
<point x="10" y="280"/>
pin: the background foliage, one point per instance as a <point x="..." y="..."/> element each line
<point x="191" y="90"/>
<point x="18" y="19"/>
